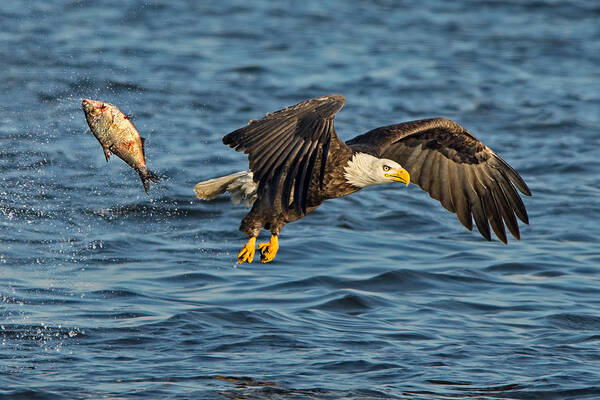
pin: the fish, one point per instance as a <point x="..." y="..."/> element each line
<point x="118" y="136"/>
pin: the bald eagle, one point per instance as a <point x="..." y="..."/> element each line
<point x="297" y="161"/>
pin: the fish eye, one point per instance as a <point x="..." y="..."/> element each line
<point x="386" y="168"/>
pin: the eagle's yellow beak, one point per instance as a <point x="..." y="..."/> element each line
<point x="400" y="175"/>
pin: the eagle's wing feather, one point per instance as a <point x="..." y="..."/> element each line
<point x="285" y="147"/>
<point x="448" y="162"/>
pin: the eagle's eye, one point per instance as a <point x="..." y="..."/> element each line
<point x="386" y="168"/>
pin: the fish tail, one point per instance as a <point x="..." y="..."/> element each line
<point x="146" y="176"/>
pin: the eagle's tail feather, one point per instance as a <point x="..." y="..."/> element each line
<point x="240" y="185"/>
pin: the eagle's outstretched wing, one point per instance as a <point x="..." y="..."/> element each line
<point x="285" y="147"/>
<point x="450" y="164"/>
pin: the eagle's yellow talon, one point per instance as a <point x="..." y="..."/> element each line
<point x="269" y="250"/>
<point x="262" y="246"/>
<point x="247" y="252"/>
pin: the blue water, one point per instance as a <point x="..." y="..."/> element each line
<point x="108" y="293"/>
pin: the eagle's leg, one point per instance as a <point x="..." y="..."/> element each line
<point x="268" y="250"/>
<point x="247" y="252"/>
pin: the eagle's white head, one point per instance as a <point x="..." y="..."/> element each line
<point x="366" y="170"/>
